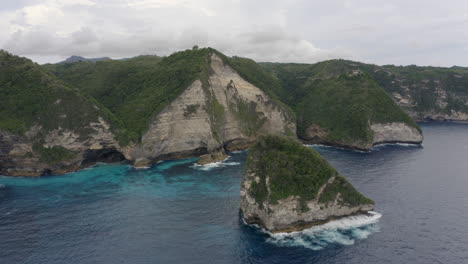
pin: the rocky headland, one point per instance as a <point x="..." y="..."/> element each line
<point x="289" y="187"/>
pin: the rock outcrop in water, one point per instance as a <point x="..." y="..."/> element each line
<point x="289" y="187"/>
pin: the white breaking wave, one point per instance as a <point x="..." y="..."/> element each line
<point x="344" y="231"/>
<point x="397" y="144"/>
<point x="238" y="151"/>
<point x="142" y="168"/>
<point x="333" y="147"/>
<point x="217" y="164"/>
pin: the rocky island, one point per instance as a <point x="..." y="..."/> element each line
<point x="289" y="187"/>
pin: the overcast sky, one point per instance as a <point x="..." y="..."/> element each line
<point x="423" y="32"/>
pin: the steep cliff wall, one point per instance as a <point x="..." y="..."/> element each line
<point x="352" y="111"/>
<point x="380" y="133"/>
<point x="225" y="112"/>
<point x="426" y="93"/>
<point x="395" y="133"/>
<point x="41" y="152"/>
<point x="47" y="127"/>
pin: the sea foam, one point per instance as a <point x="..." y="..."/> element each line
<point x="213" y="165"/>
<point x="344" y="231"/>
<point x="397" y="144"/>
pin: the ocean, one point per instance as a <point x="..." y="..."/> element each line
<point x="177" y="212"/>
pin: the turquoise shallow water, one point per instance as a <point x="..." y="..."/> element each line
<point x="176" y="212"/>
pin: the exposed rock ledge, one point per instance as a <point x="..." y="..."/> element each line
<point x="395" y="133"/>
<point x="434" y="116"/>
<point x="212" y="157"/>
<point x="383" y="133"/>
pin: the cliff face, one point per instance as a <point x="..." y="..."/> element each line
<point x="380" y="133"/>
<point x="426" y="93"/>
<point x="68" y="131"/>
<point x="56" y="152"/>
<point x="286" y="215"/>
<point x="441" y="111"/>
<point x="47" y="127"/>
<point x="228" y="112"/>
<point x="352" y="111"/>
<point x="288" y="187"/>
<point x="395" y="133"/>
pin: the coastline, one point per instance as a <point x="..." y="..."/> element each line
<point x="198" y="153"/>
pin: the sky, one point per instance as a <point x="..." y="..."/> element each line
<point x="400" y="32"/>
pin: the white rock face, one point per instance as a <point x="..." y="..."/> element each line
<point x="287" y="216"/>
<point x="99" y="138"/>
<point x="395" y="132"/>
<point x="452" y="116"/>
<point x="184" y="128"/>
<point x="408" y="103"/>
<point x="17" y="157"/>
<point x="174" y="131"/>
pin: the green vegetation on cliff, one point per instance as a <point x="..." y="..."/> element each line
<point x="295" y="170"/>
<point x="53" y="154"/>
<point x="344" y="107"/>
<point x="137" y="89"/>
<point x="429" y="89"/>
<point x="337" y="100"/>
<point x="339" y="97"/>
<point x="432" y="89"/>
<point x="32" y="96"/>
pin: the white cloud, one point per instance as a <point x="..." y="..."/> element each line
<point x="400" y="32"/>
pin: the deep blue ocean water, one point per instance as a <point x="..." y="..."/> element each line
<point x="178" y="213"/>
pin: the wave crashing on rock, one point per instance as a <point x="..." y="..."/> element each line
<point x="345" y="231"/>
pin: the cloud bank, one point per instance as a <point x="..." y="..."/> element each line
<point x="383" y="32"/>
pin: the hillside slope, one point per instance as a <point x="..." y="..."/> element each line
<point x="47" y="127"/>
<point x="342" y="107"/>
<point x="150" y="108"/>
<point x="424" y="93"/>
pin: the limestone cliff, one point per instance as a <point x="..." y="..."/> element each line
<point x="352" y="111"/>
<point x="395" y="133"/>
<point x="380" y="133"/>
<point x="56" y="152"/>
<point x="427" y="93"/>
<point x="63" y="129"/>
<point x="289" y="187"/>
<point x="47" y="127"/>
<point x="225" y="113"/>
